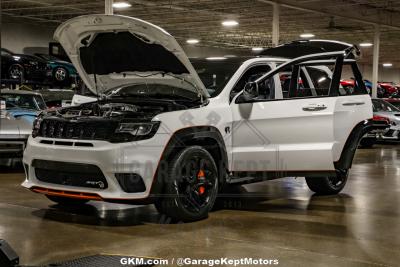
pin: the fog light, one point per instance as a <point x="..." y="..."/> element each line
<point x="131" y="182"/>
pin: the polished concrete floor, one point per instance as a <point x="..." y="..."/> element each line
<point x="280" y="219"/>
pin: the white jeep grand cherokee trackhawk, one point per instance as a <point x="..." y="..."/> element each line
<point x="172" y="132"/>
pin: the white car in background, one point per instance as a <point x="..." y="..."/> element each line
<point x="18" y="110"/>
<point x="167" y="132"/>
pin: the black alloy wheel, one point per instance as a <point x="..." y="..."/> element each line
<point x="328" y="185"/>
<point x="192" y="186"/>
<point x="16" y="72"/>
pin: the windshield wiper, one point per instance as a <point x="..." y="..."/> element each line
<point x="163" y="73"/>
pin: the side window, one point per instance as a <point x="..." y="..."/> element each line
<point x="348" y="84"/>
<point x="295" y="89"/>
<point x="265" y="88"/>
<point x="315" y="81"/>
<point x="321" y="79"/>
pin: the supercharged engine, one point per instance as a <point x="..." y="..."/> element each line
<point x="113" y="122"/>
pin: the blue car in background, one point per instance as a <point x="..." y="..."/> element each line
<point x="18" y="111"/>
<point x="61" y="72"/>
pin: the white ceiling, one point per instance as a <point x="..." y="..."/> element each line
<point x="351" y="20"/>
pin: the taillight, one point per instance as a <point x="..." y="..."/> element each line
<point x="380" y="118"/>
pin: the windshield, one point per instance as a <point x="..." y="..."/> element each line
<point x="380" y="105"/>
<point x="32" y="102"/>
<point x="153" y="91"/>
<point x="47" y="57"/>
<point x="216" y="74"/>
<point x="5" y="52"/>
<point x="396" y="104"/>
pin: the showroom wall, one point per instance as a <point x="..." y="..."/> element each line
<point x="26" y="38"/>
<point x="29" y="39"/>
<point x="385" y="74"/>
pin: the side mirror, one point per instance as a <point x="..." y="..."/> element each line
<point x="250" y="92"/>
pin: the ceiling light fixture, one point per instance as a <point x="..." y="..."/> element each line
<point x="387" y="65"/>
<point x="257" y="49"/>
<point x="121" y="5"/>
<point x="216" y="58"/>
<point x="307" y="35"/>
<point x="366" y="44"/>
<point x="230" y="23"/>
<point x="192" y="41"/>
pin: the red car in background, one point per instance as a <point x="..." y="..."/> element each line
<point x="348" y="85"/>
<point x="387" y="89"/>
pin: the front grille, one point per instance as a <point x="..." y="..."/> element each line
<point x="71" y="174"/>
<point x="83" y="130"/>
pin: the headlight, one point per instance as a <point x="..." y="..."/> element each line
<point x="136" y="129"/>
<point x="5" y="115"/>
<point x="36" y="126"/>
<point x="128" y="132"/>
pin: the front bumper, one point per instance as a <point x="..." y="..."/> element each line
<point x="139" y="158"/>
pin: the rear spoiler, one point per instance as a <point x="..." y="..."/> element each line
<point x="302" y="48"/>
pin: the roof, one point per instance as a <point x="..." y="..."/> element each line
<point x="238" y="60"/>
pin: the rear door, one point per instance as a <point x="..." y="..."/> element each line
<point x="307" y="123"/>
<point x="351" y="107"/>
<point x="320" y="113"/>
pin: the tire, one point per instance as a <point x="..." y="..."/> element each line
<point x="328" y="185"/>
<point x="191" y="187"/>
<point x="64" y="201"/>
<point x="60" y="75"/>
<point x="16" y="72"/>
<point x="367" y="142"/>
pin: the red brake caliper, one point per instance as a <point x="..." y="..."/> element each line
<point x="200" y="176"/>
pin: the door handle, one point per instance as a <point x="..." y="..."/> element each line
<point x="353" y="103"/>
<point x="314" y="107"/>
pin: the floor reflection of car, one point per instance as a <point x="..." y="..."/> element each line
<point x="18" y="112"/>
<point x="386" y="110"/>
<point x="21" y="67"/>
<point x="60" y="71"/>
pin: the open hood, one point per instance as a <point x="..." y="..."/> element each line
<point x="113" y="51"/>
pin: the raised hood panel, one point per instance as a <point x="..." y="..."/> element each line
<point x="123" y="50"/>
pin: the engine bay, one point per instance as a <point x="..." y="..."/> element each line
<point x="100" y="120"/>
<point x="144" y="111"/>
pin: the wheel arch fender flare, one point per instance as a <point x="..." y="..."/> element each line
<point x="206" y="136"/>
<point x="346" y="158"/>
